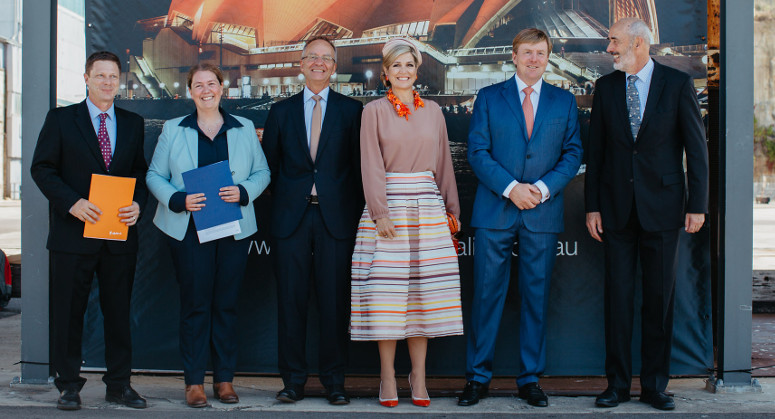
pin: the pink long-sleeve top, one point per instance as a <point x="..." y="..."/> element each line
<point x="390" y="143"/>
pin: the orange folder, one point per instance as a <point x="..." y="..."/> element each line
<point x="109" y="194"/>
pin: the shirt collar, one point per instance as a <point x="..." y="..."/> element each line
<point x="229" y="121"/>
<point x="323" y="94"/>
<point x="94" y="111"/>
<point x="645" y="73"/>
<point x="536" y="87"/>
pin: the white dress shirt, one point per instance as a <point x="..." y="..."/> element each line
<point x="534" y="96"/>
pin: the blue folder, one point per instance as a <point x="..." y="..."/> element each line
<point x="209" y="180"/>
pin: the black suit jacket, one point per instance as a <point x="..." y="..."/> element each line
<point x="649" y="169"/>
<point x="65" y="157"/>
<point x="336" y="171"/>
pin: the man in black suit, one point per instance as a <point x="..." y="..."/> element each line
<point x="91" y="137"/>
<point x="645" y="116"/>
<point x="312" y="143"/>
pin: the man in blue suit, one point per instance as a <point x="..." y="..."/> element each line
<point x="524" y="147"/>
<point x="312" y="143"/>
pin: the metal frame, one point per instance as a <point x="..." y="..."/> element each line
<point x="736" y="159"/>
<point x="734" y="361"/>
<point x="39" y="87"/>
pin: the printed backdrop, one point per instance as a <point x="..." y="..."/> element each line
<point x="466" y="45"/>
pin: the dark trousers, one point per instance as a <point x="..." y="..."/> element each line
<point x="210" y="275"/>
<point x="492" y="267"/>
<point x="657" y="251"/>
<point x="309" y="258"/>
<point x="71" y="279"/>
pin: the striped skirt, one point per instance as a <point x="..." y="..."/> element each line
<point x="408" y="286"/>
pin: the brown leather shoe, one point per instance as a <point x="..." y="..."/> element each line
<point x="225" y="393"/>
<point x="195" y="395"/>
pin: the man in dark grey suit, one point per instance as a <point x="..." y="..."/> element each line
<point x="645" y="116"/>
<point x="312" y="144"/>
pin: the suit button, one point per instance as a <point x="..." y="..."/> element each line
<point x="315" y="171"/>
<point x="631" y="180"/>
<point x="635" y="152"/>
<point x="529" y="156"/>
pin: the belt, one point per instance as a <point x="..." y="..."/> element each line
<point x="312" y="199"/>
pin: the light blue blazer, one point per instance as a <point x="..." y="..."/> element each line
<point x="177" y="151"/>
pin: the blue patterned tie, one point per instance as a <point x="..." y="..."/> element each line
<point x="633" y="105"/>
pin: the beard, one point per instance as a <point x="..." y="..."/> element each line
<point x="626" y="60"/>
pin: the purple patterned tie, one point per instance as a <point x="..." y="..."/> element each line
<point x="102" y="136"/>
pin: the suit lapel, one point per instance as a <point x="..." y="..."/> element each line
<point x="122" y="136"/>
<point x="235" y="157"/>
<point x="297" y="121"/>
<point x="620" y="102"/>
<point x="192" y="138"/>
<point x="328" y="122"/>
<point x="544" y="102"/>
<point x="83" y="120"/>
<point x="655" y="91"/>
<point x="511" y="96"/>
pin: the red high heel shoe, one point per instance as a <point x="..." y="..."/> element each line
<point x="418" y="401"/>
<point x="387" y="402"/>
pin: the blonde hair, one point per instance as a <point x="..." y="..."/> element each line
<point x="392" y="51"/>
<point x="531" y="36"/>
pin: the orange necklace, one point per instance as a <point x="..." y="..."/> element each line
<point x="401" y="109"/>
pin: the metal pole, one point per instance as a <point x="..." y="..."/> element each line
<point x="39" y="87"/>
<point x="736" y="199"/>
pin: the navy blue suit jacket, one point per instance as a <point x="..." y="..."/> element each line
<point x="335" y="172"/>
<point x="500" y="152"/>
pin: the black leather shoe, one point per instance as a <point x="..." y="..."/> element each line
<point x="658" y="400"/>
<point x="127" y="396"/>
<point x="612" y="396"/>
<point x="291" y="394"/>
<point x="534" y="395"/>
<point x="336" y="395"/>
<point x="69" y="400"/>
<point x="472" y="393"/>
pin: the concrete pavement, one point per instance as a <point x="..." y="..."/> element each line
<point x="166" y="399"/>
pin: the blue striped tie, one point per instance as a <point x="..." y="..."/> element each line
<point x="633" y="105"/>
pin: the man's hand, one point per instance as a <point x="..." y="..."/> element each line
<point x="595" y="225"/>
<point x="195" y="201"/>
<point x="385" y="228"/>
<point x="525" y="196"/>
<point x="85" y="211"/>
<point x="229" y="193"/>
<point x="130" y="214"/>
<point x="694" y="222"/>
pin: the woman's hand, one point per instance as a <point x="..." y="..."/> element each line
<point x="385" y="228"/>
<point x="195" y="201"/>
<point x="229" y="193"/>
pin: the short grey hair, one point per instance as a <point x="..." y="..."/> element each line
<point x="318" y="38"/>
<point x="639" y="28"/>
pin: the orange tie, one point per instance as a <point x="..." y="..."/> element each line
<point x="314" y="136"/>
<point x="527" y="108"/>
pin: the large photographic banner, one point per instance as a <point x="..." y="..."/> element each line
<point x="466" y="45"/>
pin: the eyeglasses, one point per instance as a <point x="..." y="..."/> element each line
<point x="326" y="58"/>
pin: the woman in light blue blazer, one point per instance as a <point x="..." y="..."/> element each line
<point x="210" y="273"/>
